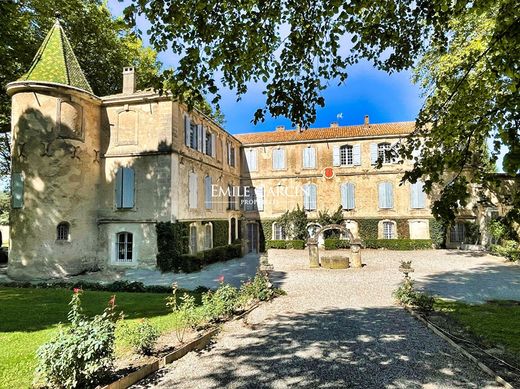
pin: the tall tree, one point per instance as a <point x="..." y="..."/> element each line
<point x="295" y="47"/>
<point x="102" y="44"/>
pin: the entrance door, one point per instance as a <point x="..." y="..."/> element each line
<point x="252" y="237"/>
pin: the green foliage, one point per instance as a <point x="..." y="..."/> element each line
<point x="403" y="228"/>
<point x="368" y="228"/>
<point x="257" y="289"/>
<point x="220" y="232"/>
<point x="508" y="249"/>
<point x="497" y="229"/>
<point x="294" y="223"/>
<point x="408" y="296"/>
<point x="285" y="244"/>
<point x="5" y="206"/>
<point x="335" y="244"/>
<point x="82" y="354"/>
<point x="472" y="232"/>
<point x="172" y="243"/>
<point x="220" y="304"/>
<point x="398" y="244"/>
<point x="325" y="218"/>
<point x="438" y="233"/>
<point x="143" y="337"/>
<point x="184" y="310"/>
<point x="266" y="233"/>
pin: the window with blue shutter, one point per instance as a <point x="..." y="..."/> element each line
<point x="193" y="190"/>
<point x="208" y="199"/>
<point x="278" y="159"/>
<point x="309" y="158"/>
<point x="259" y="192"/>
<point x="417" y="195"/>
<point x="348" y="196"/>
<point x="17" y="189"/>
<point x="373" y="153"/>
<point x="386" y="197"/>
<point x="187" y="131"/>
<point x="125" y="188"/>
<point x="336" y="159"/>
<point x="309" y="197"/>
<point x="356" y="155"/>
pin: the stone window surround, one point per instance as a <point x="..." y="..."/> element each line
<point x="380" y="229"/>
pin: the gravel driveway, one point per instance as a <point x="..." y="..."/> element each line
<point x="337" y="329"/>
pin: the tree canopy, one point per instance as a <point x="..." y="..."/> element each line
<point x="466" y="53"/>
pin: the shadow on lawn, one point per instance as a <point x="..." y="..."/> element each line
<point x="30" y="309"/>
<point x="364" y="348"/>
<point x="475" y="285"/>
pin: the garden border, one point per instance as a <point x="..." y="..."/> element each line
<point x="486" y="369"/>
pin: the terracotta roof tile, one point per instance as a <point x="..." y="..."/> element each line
<point x="381" y="129"/>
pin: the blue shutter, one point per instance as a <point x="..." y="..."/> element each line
<point x="207" y="192"/>
<point x="312" y="157"/>
<point x="17" y="189"/>
<point x="373" y="153"/>
<point x="119" y="188"/>
<point x="306" y="197"/>
<point x="128" y="188"/>
<point x="344" y="198"/>
<point x="385" y="195"/>
<point x="389" y="195"/>
<point x="309" y="197"/>
<point x="282" y="158"/>
<point x="213" y="145"/>
<point x="276" y="159"/>
<point x="203" y="139"/>
<point x="336" y="160"/>
<point x="306" y="157"/>
<point x="259" y="198"/>
<point x="417" y="195"/>
<point x="351" y="200"/>
<point x="356" y="155"/>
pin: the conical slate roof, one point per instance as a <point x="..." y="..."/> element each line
<point x="55" y="62"/>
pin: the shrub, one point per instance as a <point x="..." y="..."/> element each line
<point x="294" y="223"/>
<point x="81" y="355"/>
<point x="143" y="337"/>
<point x="408" y="296"/>
<point x="259" y="289"/>
<point x="399" y="244"/>
<point x="184" y="311"/>
<point x="508" y="249"/>
<point x="285" y="244"/>
<point x="220" y="303"/>
<point x="438" y="233"/>
<point x="334" y="244"/>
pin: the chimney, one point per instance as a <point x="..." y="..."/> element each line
<point x="334" y="125"/>
<point x="280" y="128"/>
<point x="128" y="80"/>
<point x="367" y="121"/>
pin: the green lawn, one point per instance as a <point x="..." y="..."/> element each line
<point x="29" y="317"/>
<point x="495" y="323"/>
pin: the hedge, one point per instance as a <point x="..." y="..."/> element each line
<point x="334" y="244"/>
<point x="285" y="244"/>
<point x="398" y="244"/>
<point x="189" y="263"/>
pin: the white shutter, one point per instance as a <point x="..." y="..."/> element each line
<point x="213" y="145"/>
<point x="259" y="192"/>
<point x="417" y="195"/>
<point x="282" y="158"/>
<point x="276" y="159"/>
<point x="204" y="139"/>
<point x="385" y="195"/>
<point x="119" y="188"/>
<point x="193" y="187"/>
<point x="312" y="157"/>
<point x="356" y="155"/>
<point x="336" y="161"/>
<point x="389" y="195"/>
<point x="187" y="130"/>
<point x="351" y="199"/>
<point x="128" y="188"/>
<point x="344" y="196"/>
<point x="306" y="157"/>
<point x="17" y="189"/>
<point x="373" y="153"/>
<point x="199" y="137"/>
<point x="306" y="197"/>
<point x="207" y="192"/>
<point x="313" y="196"/>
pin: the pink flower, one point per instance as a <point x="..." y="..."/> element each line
<point x="220" y="279"/>
<point x="77" y="290"/>
<point x="112" y="301"/>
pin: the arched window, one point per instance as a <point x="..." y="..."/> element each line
<point x="125" y="241"/>
<point x="388" y="230"/>
<point x="232" y="230"/>
<point x="63" y="231"/>
<point x="231" y="198"/>
<point x="193" y="239"/>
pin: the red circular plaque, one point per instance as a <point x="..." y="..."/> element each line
<point x="328" y="173"/>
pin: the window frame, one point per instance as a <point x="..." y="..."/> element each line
<point x="383" y="153"/>
<point x="313" y="159"/>
<point x="63" y="232"/>
<point x="125" y="247"/>
<point x="279" y="232"/>
<point x="308" y="193"/>
<point x="391" y="225"/>
<point x="280" y="158"/>
<point x="391" y="200"/>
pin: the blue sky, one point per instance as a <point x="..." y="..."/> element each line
<point x="367" y="91"/>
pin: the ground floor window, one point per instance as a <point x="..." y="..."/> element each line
<point x="458" y="232"/>
<point x="208" y="236"/>
<point x="62" y="231"/>
<point x="193" y="239"/>
<point x="388" y="230"/>
<point x="125" y="242"/>
<point x="278" y="232"/>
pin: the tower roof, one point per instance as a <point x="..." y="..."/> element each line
<point x="55" y="62"/>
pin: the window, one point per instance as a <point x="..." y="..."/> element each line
<point x="231" y="198"/>
<point x="17" y="189"/>
<point x="383" y="152"/>
<point x="388" y="230"/>
<point x="309" y="158"/>
<point x="208" y="142"/>
<point x="193" y="239"/>
<point x="278" y="232"/>
<point x="193" y="188"/>
<point x="278" y="159"/>
<point x="251" y="160"/>
<point x="386" y="196"/>
<point x="192" y="134"/>
<point x="458" y="232"/>
<point x="417" y="198"/>
<point x="62" y="231"/>
<point x="208" y="198"/>
<point x="208" y="236"/>
<point x="231" y="154"/>
<point x="259" y="193"/>
<point x="125" y="188"/>
<point x="124" y="247"/>
<point x="309" y="197"/>
<point x="348" y="196"/>
<point x="347" y="155"/>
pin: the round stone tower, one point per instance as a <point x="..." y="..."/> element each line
<point x="55" y="165"/>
